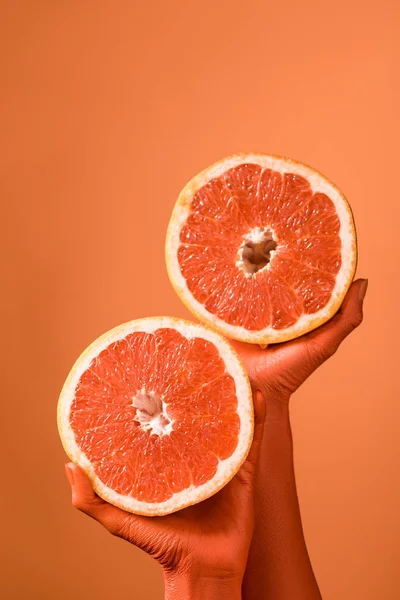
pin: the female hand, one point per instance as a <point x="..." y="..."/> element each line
<point x="281" y="368"/>
<point x="202" y="549"/>
<point x="279" y="566"/>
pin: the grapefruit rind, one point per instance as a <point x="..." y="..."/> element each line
<point x="226" y="469"/>
<point x="318" y="183"/>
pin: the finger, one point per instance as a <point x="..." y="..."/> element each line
<point x="259" y="420"/>
<point x="327" y="339"/>
<point x="117" y="521"/>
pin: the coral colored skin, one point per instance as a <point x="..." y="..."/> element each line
<point x="203" y="548"/>
<point x="246" y="541"/>
<point x="278" y="566"/>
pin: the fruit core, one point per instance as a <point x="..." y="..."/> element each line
<point x="151" y="413"/>
<point x="256" y="250"/>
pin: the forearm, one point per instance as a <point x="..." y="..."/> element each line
<point x="192" y="586"/>
<point x="278" y="567"/>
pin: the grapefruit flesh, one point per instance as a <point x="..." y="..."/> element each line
<point x="158" y="412"/>
<point x="262" y="248"/>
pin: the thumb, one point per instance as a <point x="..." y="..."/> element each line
<point x="118" y="522"/>
<point x="247" y="470"/>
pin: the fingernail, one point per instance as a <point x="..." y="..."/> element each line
<point x="363" y="290"/>
<point x="70" y="474"/>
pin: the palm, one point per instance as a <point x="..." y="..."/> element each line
<point x="216" y="532"/>
<point x="281" y="368"/>
<point x="210" y="528"/>
<point x="215" y="515"/>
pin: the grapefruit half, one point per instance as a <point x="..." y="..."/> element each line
<point x="262" y="248"/>
<point x="159" y="414"/>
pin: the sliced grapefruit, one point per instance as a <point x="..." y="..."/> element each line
<point x="158" y="412"/>
<point x="261" y="248"/>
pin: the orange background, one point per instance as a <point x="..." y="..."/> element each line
<point x="107" y="109"/>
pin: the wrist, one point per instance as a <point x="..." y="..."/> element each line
<point x="195" y="585"/>
<point x="277" y="409"/>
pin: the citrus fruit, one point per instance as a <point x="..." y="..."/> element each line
<point x="261" y="248"/>
<point x="158" y="412"/>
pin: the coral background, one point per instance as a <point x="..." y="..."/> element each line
<point x="107" y="110"/>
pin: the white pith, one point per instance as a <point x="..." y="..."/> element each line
<point x="152" y="418"/>
<point x="226" y="468"/>
<point x="318" y="183"/>
<point x="256" y="236"/>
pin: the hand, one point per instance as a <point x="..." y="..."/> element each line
<point x="205" y="542"/>
<point x="280" y="369"/>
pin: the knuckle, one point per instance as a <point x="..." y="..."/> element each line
<point x="89" y="507"/>
<point x="353" y="321"/>
<point x="116" y="530"/>
<point x="319" y="352"/>
<point x="99" y="512"/>
<point x="77" y="503"/>
<point x="121" y="529"/>
<point x="245" y="476"/>
<point x="358" y="319"/>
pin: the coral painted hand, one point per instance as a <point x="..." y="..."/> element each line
<point x="279" y="566"/>
<point x="202" y="547"/>
<point x="280" y="369"/>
